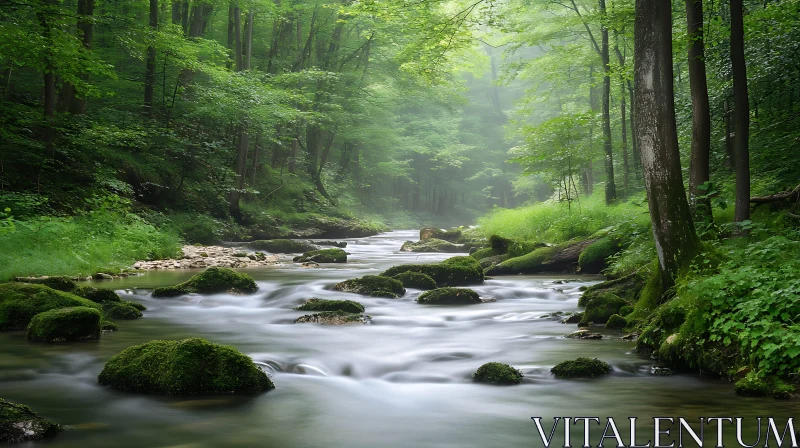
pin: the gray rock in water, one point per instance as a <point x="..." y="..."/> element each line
<point x="584" y="334"/>
<point x="661" y="371"/>
<point x="334" y="318"/>
<point x="18" y="423"/>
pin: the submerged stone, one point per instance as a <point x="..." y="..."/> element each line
<point x="188" y="367"/>
<point x="416" y="280"/>
<point x="334" y="318"/>
<point x="19" y="302"/>
<point x="497" y="373"/>
<point x="65" y="324"/>
<point x="323" y="256"/>
<point x="581" y="368"/>
<point x="369" y="284"/>
<point x="449" y="296"/>
<point x="315" y="304"/>
<point x="18" y="423"/>
<point x="212" y="280"/>
<point x="282" y="246"/>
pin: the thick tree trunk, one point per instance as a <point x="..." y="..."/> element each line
<point x="611" y="187"/>
<point x="741" y="120"/>
<point x="673" y="229"/>
<point x="150" y="71"/>
<point x="701" y="115"/>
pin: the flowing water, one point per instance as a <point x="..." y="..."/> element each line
<point x="402" y="381"/>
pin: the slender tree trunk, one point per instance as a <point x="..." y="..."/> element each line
<point x="86" y="28"/>
<point x="44" y="15"/>
<point x="657" y="135"/>
<point x="256" y="148"/>
<point x="701" y="115"/>
<point x="150" y="71"/>
<point x="241" y="169"/>
<point x="231" y="48"/>
<point x="248" y="51"/>
<point x="237" y="31"/>
<point x="741" y="137"/>
<point x="622" y="107"/>
<point x="611" y="187"/>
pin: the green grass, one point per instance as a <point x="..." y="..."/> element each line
<point x="96" y="242"/>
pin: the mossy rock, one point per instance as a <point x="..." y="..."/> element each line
<point x="490" y="262"/>
<point x="65" y="324"/>
<point x="486" y="252"/>
<point x="616" y="322"/>
<point x="625" y="310"/>
<point x="581" y="368"/>
<point x="97" y="295"/>
<point x="58" y="282"/>
<point x="416" y="280"/>
<point x="107" y="325"/>
<point x="500" y="244"/>
<point x="603" y="306"/>
<point x="315" y="304"/>
<point x="428" y="233"/>
<point x="432" y="245"/>
<point x="323" y="256"/>
<point x="384" y="294"/>
<point x="339" y="244"/>
<point x="533" y="262"/>
<point x="188" y="367"/>
<point x="334" y="318"/>
<point x="136" y="305"/>
<point x="449" y="296"/>
<point x="369" y="284"/>
<point x="753" y="385"/>
<point x="211" y="281"/>
<point x="627" y="287"/>
<point x="282" y="246"/>
<point x="18" y="423"/>
<point x="19" y="302"/>
<point x="497" y="373"/>
<point x="455" y="271"/>
<point x="593" y="259"/>
<point x="121" y="311"/>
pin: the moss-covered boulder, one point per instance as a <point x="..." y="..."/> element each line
<point x="593" y="259"/>
<point x="616" y="322"/>
<point x="334" y="318"/>
<point x="282" y="246"/>
<point x="339" y="244"/>
<point x="370" y="284"/>
<point x="188" y="367"/>
<point x="416" y="280"/>
<point x="315" y="304"/>
<point x="121" y="311"/>
<point x="19" y="302"/>
<point x="627" y="287"/>
<point x="97" y="295"/>
<point x="449" y="296"/>
<point x="581" y="368"/>
<point x="562" y="258"/>
<point x="65" y="324"/>
<point x="753" y="385"/>
<point x="58" y="282"/>
<point x="136" y="305"/>
<point x="486" y="252"/>
<point x="455" y="271"/>
<point x="603" y="306"/>
<point x="497" y="373"/>
<point x="323" y="256"/>
<point x="432" y="245"/>
<point x="18" y="423"/>
<point x="107" y="325"/>
<point x="452" y="235"/>
<point x="211" y="281"/>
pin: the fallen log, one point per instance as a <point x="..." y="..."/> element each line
<point x="788" y="195"/>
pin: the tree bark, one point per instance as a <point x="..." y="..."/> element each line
<point x="44" y="15"/>
<point x="622" y="108"/>
<point x="611" y="187"/>
<point x="237" y="31"/>
<point x="657" y="135"/>
<point x="701" y="115"/>
<point x="248" y="50"/>
<point x="150" y="70"/>
<point x="741" y="119"/>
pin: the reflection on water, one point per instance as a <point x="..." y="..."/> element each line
<point x="402" y="381"/>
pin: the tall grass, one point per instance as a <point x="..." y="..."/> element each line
<point x="101" y="241"/>
<point x="556" y="222"/>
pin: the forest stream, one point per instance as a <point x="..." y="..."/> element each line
<point x="403" y="380"/>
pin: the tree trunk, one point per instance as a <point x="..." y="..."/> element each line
<point x="237" y="31"/>
<point x="248" y="50"/>
<point x="150" y="72"/>
<point x="701" y="115"/>
<point x="241" y="169"/>
<point x="231" y="49"/>
<point x="611" y="187"/>
<point x="44" y="15"/>
<point x="741" y="118"/>
<point x="256" y="148"/>
<point x="673" y="229"/>
<point x="86" y="27"/>
<point x="622" y="107"/>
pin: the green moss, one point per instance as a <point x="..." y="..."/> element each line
<point x="282" y="246"/>
<point x="18" y="423"/>
<point x="500" y="244"/>
<point x="532" y="262"/>
<point x="107" y="325"/>
<point x="323" y="256"/>
<point x="753" y="385"/>
<point x="19" y="302"/>
<point x="497" y="373"/>
<point x="651" y="293"/>
<point x="121" y="311"/>
<point x="370" y="284"/>
<point x="188" y="367"/>
<point x="616" y="322"/>
<point x="449" y="296"/>
<point x="416" y="280"/>
<point x="65" y="324"/>
<point x="455" y="271"/>
<point x="97" y="295"/>
<point x="581" y="368"/>
<point x="603" y="306"/>
<point x="315" y="304"/>
<point x="627" y="287"/>
<point x="432" y="245"/>
<point x="485" y="253"/>
<point x="625" y="310"/>
<point x="136" y="305"/>
<point x="593" y="259"/>
<point x="60" y="283"/>
<point x="211" y="281"/>
<point x="334" y="318"/>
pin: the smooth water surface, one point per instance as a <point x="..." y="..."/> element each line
<point x="403" y="381"/>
